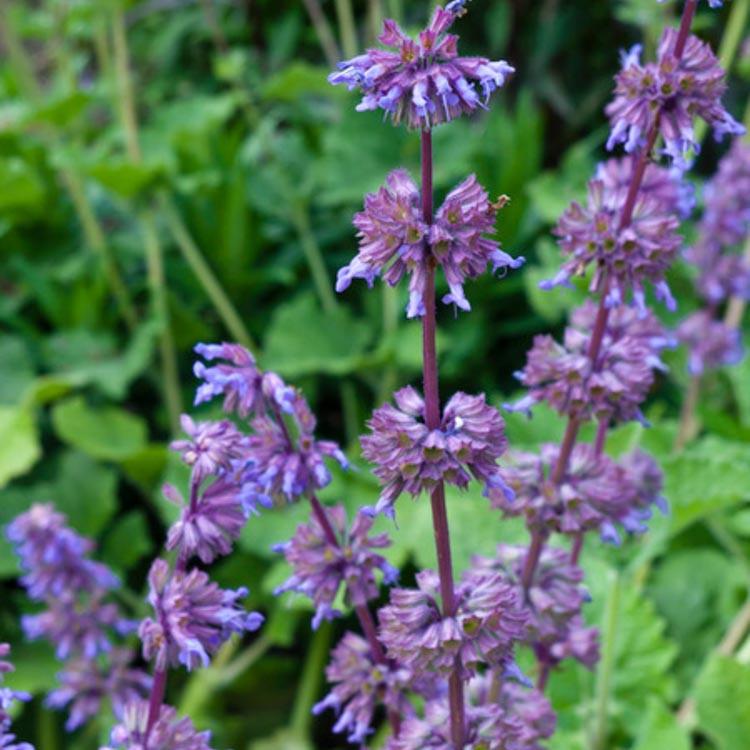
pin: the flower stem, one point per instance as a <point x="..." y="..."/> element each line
<point x="432" y="420"/>
<point x="689" y="426"/>
<point x="311" y="679"/>
<point x="601" y="436"/>
<point x="323" y="30"/>
<point x="347" y="28"/>
<point x="156" y="699"/>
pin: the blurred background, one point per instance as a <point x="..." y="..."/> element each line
<point x="175" y="171"/>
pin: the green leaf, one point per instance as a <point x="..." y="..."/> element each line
<point x="126" y="178"/>
<point x="295" y="80"/>
<point x="127" y="542"/>
<point x="21" y="187"/>
<point x="19" y="442"/>
<point x="722" y="696"/>
<point x="37" y="668"/>
<point x="107" y="432"/>
<point x="302" y="339"/>
<point x="661" y="731"/>
<point x="16" y="369"/>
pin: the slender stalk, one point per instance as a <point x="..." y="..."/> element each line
<point x="212" y="21"/>
<point x="736" y="307"/>
<point x="689" y="425"/>
<point x="347" y="28"/>
<point x="204" y="274"/>
<point x="375" y="17"/>
<point x="576" y="548"/>
<point x="432" y="420"/>
<point x="312" y="675"/>
<point x="538" y="540"/>
<point x="601" y="435"/>
<point x="153" y="249"/>
<point x="607" y="663"/>
<point x="323" y="30"/>
<point x="156" y="699"/>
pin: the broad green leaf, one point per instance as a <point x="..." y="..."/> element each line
<point x="295" y="80"/>
<point x="105" y="432"/>
<point x="19" y="442"/>
<point x="302" y="339"/>
<point x="125" y="178"/>
<point x="21" y="187"/>
<point x="36" y="668"/>
<point x="146" y="467"/>
<point x="284" y="739"/>
<point x="722" y="696"/>
<point x="127" y="542"/>
<point x="16" y="369"/>
<point x="661" y="731"/>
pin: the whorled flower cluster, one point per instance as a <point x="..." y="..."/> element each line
<point x="596" y="492"/>
<point x="360" y="685"/>
<point x="322" y="566"/>
<point x="711" y="343"/>
<point x="624" y="257"/>
<point x="488" y="619"/>
<point x="618" y="382"/>
<point x="7" y="698"/>
<point x="394" y="240"/>
<point x="668" y="94"/>
<point x="169" y="732"/>
<point x="554" y="600"/>
<point x="411" y="458"/>
<point x="193" y="617"/>
<point x="422" y="82"/>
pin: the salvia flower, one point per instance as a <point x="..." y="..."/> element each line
<point x="209" y="523"/>
<point x="489" y="617"/>
<point x="711" y="343"/>
<point x="170" y="732"/>
<point x="85" y="685"/>
<point x="591" y="235"/>
<point x="321" y="567"/>
<point x="554" y="602"/>
<point x="54" y="557"/>
<point x="408" y="457"/>
<point x="194" y="617"/>
<point x="669" y="94"/>
<point x="7" y="698"/>
<point x="595" y="493"/>
<point x="615" y="385"/>
<point x="422" y="82"/>
<point x="360" y="685"/>
<point x="245" y="388"/>
<point x="394" y="240"/>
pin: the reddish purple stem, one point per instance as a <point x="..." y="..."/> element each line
<point x="432" y="420"/>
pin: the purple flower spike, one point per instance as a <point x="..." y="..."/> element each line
<point x="54" y="556"/>
<point x="7" y="698"/>
<point x="321" y="568"/>
<point x="393" y="239"/>
<point x="422" y="82"/>
<point x="669" y="94"/>
<point x="590" y="235"/>
<point x="410" y="458"/>
<point x="84" y="686"/>
<point x="711" y="343"/>
<point x="210" y="523"/>
<point x="194" y="617"/>
<point x="489" y="618"/>
<point x="170" y="732"/>
<point x="360" y="685"/>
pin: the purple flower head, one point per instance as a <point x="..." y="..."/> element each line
<point x="667" y="187"/>
<point x="554" y="602"/>
<point x="596" y="492"/>
<point x="77" y="626"/>
<point x="488" y="727"/>
<point x="194" y="617"/>
<point x="562" y="374"/>
<point x="245" y="388"/>
<point x="55" y="557"/>
<point x="668" y="94"/>
<point x="642" y="251"/>
<point x="85" y="685"/>
<point x="170" y="732"/>
<point x="410" y="458"/>
<point x="322" y="567"/>
<point x="711" y="343"/>
<point x="394" y="240"/>
<point x="282" y="466"/>
<point x="209" y="523"/>
<point x="422" y="82"/>
<point x="7" y="698"/>
<point x="212" y="449"/>
<point x="360" y="685"/>
<point x="488" y="618"/>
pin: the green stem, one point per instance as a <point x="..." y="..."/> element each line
<point x="204" y="274"/>
<point x="347" y="29"/>
<point x="689" y="424"/>
<point x="323" y="30"/>
<point x="730" y="43"/>
<point x="606" y="665"/>
<point x="375" y="17"/>
<point x="48" y="734"/>
<point x="312" y="676"/>
<point x="153" y="250"/>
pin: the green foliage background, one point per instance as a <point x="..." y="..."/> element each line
<point x="222" y="211"/>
